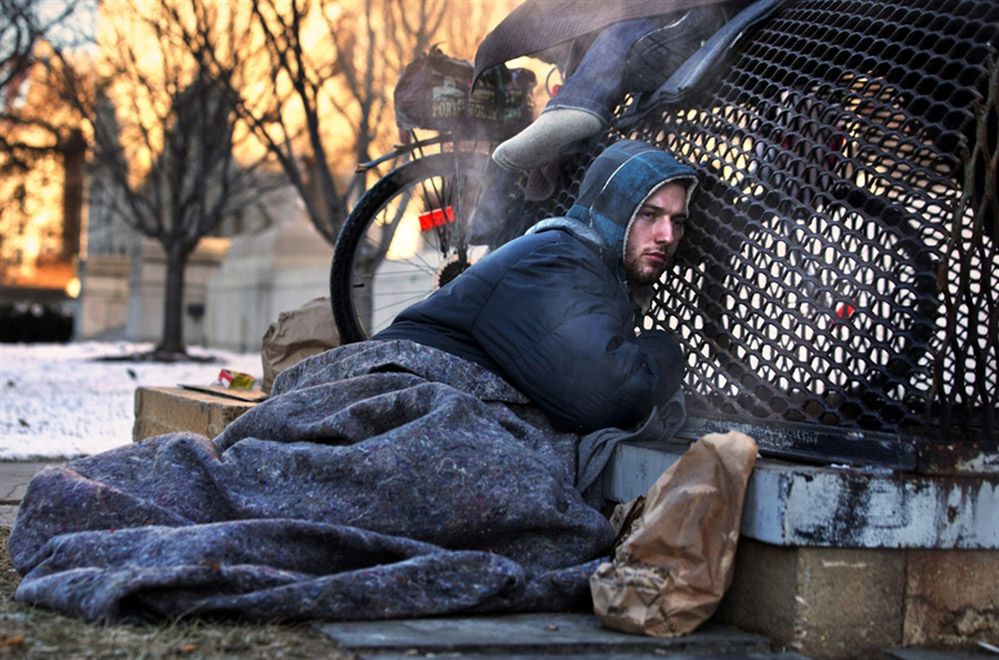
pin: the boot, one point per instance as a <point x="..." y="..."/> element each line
<point x="542" y="141"/>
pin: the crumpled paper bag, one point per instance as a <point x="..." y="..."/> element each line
<point x="296" y="335"/>
<point x="673" y="567"/>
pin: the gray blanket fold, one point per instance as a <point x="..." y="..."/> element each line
<point x="380" y="480"/>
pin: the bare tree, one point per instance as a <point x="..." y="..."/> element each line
<point x="330" y="66"/>
<point x="37" y="121"/>
<point x="33" y="39"/>
<point x="181" y="121"/>
<point x="26" y="23"/>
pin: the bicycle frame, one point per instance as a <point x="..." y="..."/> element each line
<point x="400" y="150"/>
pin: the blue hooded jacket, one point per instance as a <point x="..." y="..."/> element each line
<point x="551" y="311"/>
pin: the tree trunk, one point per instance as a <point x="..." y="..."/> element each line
<point x="74" y="152"/>
<point x="172" y="338"/>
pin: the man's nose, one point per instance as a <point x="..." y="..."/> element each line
<point x="665" y="231"/>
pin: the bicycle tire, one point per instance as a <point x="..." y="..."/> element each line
<point x="422" y="204"/>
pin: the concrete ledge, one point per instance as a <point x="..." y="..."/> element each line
<point x="843" y="562"/>
<point x="803" y="505"/>
<point x="160" y="410"/>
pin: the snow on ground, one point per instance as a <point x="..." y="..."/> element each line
<point x="57" y="402"/>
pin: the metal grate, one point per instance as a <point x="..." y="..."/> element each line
<point x="838" y="270"/>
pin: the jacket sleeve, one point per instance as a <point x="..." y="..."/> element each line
<point x="560" y="326"/>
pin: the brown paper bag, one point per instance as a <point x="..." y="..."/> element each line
<point x="296" y="335"/>
<point x="672" y="569"/>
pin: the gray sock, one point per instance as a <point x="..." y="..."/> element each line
<point x="540" y="142"/>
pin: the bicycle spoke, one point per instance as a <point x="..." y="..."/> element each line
<point x="383" y="242"/>
<point x="413" y="261"/>
<point x="399" y="303"/>
<point x="420" y="264"/>
<point x="427" y="266"/>
<point x="407" y="292"/>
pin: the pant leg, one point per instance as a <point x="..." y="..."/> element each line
<point x="596" y="84"/>
<point x="656" y="55"/>
<point x="635" y="55"/>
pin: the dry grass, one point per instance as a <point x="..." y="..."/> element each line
<point x="30" y="632"/>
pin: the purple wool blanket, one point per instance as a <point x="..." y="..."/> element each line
<point x="380" y="480"/>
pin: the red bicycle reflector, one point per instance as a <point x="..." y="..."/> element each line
<point x="436" y="218"/>
<point x="845" y="311"/>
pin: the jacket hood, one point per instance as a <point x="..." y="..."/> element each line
<point x="618" y="182"/>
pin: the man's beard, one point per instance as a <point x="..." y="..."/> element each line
<point x="636" y="273"/>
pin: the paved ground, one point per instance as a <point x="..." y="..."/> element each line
<point x="530" y="636"/>
<point x="14" y="478"/>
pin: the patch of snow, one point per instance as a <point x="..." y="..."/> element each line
<point x="56" y="402"/>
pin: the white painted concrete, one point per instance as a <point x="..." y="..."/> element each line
<point x="147" y="283"/>
<point x="104" y="303"/>
<point x="802" y="505"/>
<point x="266" y="273"/>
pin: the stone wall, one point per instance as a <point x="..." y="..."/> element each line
<point x="275" y="270"/>
<point x="103" y="305"/>
<point x="858" y="602"/>
<point x="146" y="285"/>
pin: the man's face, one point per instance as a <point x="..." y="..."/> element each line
<point x="655" y="234"/>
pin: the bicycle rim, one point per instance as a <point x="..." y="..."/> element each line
<point x="405" y="238"/>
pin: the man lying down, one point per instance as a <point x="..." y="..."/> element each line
<point x="443" y="466"/>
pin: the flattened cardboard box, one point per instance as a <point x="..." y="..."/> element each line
<point x="160" y="410"/>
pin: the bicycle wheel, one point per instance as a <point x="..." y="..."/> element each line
<point x="405" y="238"/>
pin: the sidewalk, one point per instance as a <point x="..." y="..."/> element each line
<point x="14" y="478"/>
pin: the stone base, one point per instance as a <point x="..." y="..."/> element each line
<point x="857" y="602"/>
<point x="841" y="562"/>
<point x="951" y="597"/>
<point x="160" y="410"/>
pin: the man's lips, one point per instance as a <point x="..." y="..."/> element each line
<point x="657" y="258"/>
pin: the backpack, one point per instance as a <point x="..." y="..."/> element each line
<point x="435" y="92"/>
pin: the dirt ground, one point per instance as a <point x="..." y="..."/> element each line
<point x="30" y="632"/>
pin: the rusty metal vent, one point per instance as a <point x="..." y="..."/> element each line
<point x="840" y="266"/>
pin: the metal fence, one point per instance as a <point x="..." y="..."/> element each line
<point x="839" y="267"/>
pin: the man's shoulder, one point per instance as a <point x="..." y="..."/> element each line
<point x="555" y="239"/>
<point x="547" y="251"/>
<point x="553" y="260"/>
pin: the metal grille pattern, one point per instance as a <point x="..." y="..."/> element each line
<point x="838" y="269"/>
